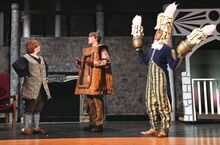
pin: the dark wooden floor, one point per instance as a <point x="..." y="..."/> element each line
<point x="115" y="133"/>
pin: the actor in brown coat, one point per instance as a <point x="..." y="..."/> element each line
<point x="95" y="79"/>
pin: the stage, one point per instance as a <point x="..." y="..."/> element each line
<point x="115" y="133"/>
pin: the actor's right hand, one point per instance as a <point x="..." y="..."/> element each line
<point x="76" y="63"/>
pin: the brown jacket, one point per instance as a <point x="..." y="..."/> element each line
<point x="94" y="80"/>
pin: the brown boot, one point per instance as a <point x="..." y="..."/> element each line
<point x="150" y="132"/>
<point x="39" y="131"/>
<point x="26" y="131"/>
<point x="88" y="128"/>
<point x="97" y="128"/>
<point x="163" y="133"/>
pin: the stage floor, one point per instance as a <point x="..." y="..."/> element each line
<point x="115" y="133"/>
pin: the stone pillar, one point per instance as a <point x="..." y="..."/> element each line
<point x="1" y="29"/>
<point x="26" y="19"/>
<point x="188" y="107"/>
<point x="100" y="21"/>
<point x="58" y="19"/>
<point x="84" y="117"/>
<point x="100" y="27"/>
<point x="15" y="47"/>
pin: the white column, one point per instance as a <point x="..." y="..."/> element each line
<point x="26" y="19"/>
<point x="172" y="88"/>
<point x="217" y="95"/>
<point x="58" y="19"/>
<point x="199" y="97"/>
<point x="212" y="97"/>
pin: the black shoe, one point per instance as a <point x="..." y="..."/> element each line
<point x="88" y="128"/>
<point x="97" y="128"/>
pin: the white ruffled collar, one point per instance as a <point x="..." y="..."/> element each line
<point x="156" y="45"/>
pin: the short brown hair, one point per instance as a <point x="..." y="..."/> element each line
<point x="96" y="35"/>
<point x="31" y="45"/>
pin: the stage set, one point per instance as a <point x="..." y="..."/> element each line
<point x="189" y="31"/>
<point x="115" y="132"/>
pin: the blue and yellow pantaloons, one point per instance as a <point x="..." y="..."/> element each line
<point x="157" y="100"/>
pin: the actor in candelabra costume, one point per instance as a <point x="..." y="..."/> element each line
<point x="158" y="95"/>
<point x="34" y="88"/>
<point x="95" y="79"/>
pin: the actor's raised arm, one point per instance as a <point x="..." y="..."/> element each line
<point x="104" y="61"/>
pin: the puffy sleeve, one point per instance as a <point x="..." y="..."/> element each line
<point x="21" y="67"/>
<point x="144" y="58"/>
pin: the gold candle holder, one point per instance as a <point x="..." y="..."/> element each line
<point x="184" y="48"/>
<point x="137" y="42"/>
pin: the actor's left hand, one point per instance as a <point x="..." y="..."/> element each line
<point x="89" y="62"/>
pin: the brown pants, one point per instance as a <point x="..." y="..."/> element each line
<point x="96" y="109"/>
<point x="32" y="106"/>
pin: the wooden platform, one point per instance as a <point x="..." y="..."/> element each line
<point x="117" y="141"/>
